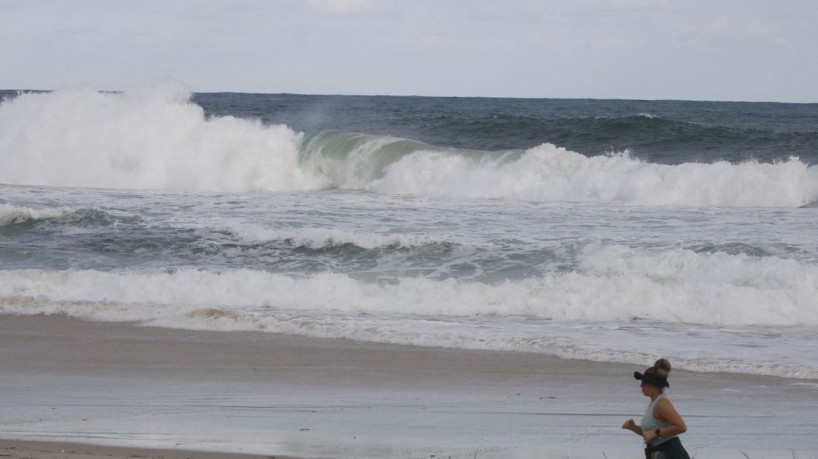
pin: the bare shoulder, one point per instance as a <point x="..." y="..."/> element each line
<point x="662" y="408"/>
<point x="664" y="401"/>
<point x="664" y="411"/>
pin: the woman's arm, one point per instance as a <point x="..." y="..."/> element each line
<point x="630" y="425"/>
<point x="665" y="412"/>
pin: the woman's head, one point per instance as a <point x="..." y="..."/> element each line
<point x="655" y="375"/>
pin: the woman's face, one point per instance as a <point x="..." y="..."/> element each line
<point x="648" y="389"/>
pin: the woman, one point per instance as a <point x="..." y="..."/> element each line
<point x="661" y="424"/>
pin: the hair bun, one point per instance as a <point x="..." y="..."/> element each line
<point x="662" y="367"/>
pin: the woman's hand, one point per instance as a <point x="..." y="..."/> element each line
<point x="649" y="435"/>
<point x="629" y="425"/>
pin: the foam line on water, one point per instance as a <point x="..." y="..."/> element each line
<point x="611" y="283"/>
<point x="320" y="238"/>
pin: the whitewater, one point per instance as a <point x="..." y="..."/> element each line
<point x="615" y="231"/>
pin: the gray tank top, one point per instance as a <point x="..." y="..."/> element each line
<point x="650" y="423"/>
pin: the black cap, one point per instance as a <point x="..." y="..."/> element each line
<point x="649" y="378"/>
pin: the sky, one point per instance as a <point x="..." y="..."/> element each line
<point x="751" y="50"/>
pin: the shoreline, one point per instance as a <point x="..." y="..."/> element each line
<point x="157" y="389"/>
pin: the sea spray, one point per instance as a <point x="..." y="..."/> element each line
<point x="148" y="138"/>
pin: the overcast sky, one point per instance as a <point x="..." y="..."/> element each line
<point x="644" y="49"/>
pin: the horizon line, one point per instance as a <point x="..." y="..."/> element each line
<point x="328" y="94"/>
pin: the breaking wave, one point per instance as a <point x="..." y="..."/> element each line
<point x="156" y="138"/>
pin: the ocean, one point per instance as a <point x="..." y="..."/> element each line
<point x="607" y="230"/>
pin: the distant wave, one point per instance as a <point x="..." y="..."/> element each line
<point x="662" y="139"/>
<point x="155" y="138"/>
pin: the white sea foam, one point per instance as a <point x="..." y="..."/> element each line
<point x="550" y="173"/>
<point x="319" y="238"/>
<point x="148" y="138"/>
<point x="613" y="283"/>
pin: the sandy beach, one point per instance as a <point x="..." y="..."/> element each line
<point x="87" y="389"/>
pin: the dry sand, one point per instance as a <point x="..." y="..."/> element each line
<point x="170" y="392"/>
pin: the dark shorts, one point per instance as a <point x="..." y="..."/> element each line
<point x="671" y="449"/>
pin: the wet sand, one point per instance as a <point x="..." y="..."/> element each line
<point x="16" y="449"/>
<point x="158" y="392"/>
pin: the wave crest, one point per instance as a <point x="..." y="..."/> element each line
<point x="550" y="173"/>
<point x="15" y="215"/>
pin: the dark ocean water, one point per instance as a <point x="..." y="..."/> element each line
<point x="667" y="132"/>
